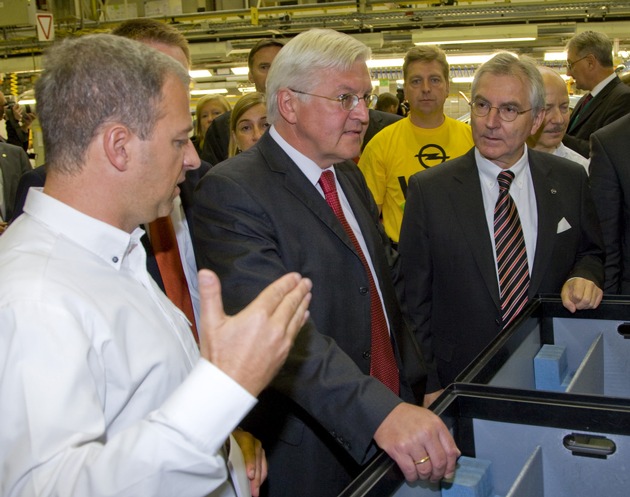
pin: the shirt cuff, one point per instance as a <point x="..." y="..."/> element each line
<point x="207" y="406"/>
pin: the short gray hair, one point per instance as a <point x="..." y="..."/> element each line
<point x="93" y="80"/>
<point x="300" y="63"/>
<point x="524" y="68"/>
<point x="592" y="42"/>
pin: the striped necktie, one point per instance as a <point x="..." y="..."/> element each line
<point x="511" y="253"/>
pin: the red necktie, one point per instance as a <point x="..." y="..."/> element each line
<point x="166" y="251"/>
<point x="383" y="363"/>
<point x="511" y="253"/>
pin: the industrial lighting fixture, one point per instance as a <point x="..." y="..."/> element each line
<point x="555" y="56"/>
<point x="200" y="73"/>
<point x="462" y="79"/>
<point x="240" y="71"/>
<point x="452" y="60"/>
<point x="209" y="91"/>
<point x="456" y="60"/>
<point x="378" y="63"/>
<point x="477" y="34"/>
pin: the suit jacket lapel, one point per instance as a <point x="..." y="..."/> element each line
<point x="546" y="204"/>
<point x="300" y="187"/>
<point x="466" y="198"/>
<point x="592" y="106"/>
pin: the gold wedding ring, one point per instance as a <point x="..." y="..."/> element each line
<point x="423" y="460"/>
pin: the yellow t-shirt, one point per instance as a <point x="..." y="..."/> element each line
<point x="402" y="149"/>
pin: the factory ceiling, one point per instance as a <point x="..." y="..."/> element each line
<point x="220" y="38"/>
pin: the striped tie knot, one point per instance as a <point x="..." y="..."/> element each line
<point x="505" y="179"/>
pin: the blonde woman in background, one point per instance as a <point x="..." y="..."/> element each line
<point x="209" y="107"/>
<point x="248" y="122"/>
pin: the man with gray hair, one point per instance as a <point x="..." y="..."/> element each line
<point x="590" y="63"/>
<point x="296" y="202"/>
<point x="104" y="391"/>
<point x="488" y="231"/>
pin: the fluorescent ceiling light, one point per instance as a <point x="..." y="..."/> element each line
<point x="376" y="63"/>
<point x="462" y="79"/>
<point x="555" y="56"/>
<point x="478" y="40"/>
<point x="28" y="101"/>
<point x="240" y="71"/>
<point x="209" y="91"/>
<point x="475" y="34"/>
<point x="247" y="89"/>
<point x="200" y="73"/>
<point x="455" y="60"/>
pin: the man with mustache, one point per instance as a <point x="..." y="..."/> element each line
<point x="549" y="136"/>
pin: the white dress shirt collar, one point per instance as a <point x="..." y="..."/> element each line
<point x="104" y="240"/>
<point x="488" y="170"/>
<point x="600" y="86"/>
<point x="310" y="169"/>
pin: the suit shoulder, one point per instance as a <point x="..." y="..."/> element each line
<point x="560" y="166"/>
<point x="614" y="129"/>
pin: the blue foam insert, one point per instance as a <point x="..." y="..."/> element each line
<point x="550" y="368"/>
<point x="473" y="478"/>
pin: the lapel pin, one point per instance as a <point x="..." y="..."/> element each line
<point x="554" y="191"/>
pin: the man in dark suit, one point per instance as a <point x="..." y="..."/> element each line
<point x="589" y="62"/>
<point x="610" y="184"/>
<point x="266" y="212"/>
<point x="259" y="59"/>
<point x="13" y="163"/>
<point x="458" y="297"/>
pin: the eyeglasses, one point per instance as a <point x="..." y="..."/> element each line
<point x="571" y="64"/>
<point x="507" y="112"/>
<point x="348" y="101"/>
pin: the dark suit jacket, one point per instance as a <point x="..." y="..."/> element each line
<point x="37" y="177"/>
<point x="451" y="288"/>
<point x="257" y="218"/>
<point x="610" y="184"/>
<point x="13" y="163"/>
<point x="217" y="141"/>
<point x="378" y="121"/>
<point x="609" y="105"/>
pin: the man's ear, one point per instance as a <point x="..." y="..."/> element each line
<point x="287" y="101"/>
<point x="116" y="143"/>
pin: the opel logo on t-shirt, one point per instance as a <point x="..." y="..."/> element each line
<point x="431" y="155"/>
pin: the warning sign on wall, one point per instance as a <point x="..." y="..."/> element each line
<point x="45" y="27"/>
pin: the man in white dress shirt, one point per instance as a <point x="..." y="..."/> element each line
<point x="549" y="136"/>
<point x="102" y="388"/>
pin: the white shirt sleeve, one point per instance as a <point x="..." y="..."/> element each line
<point x="67" y="430"/>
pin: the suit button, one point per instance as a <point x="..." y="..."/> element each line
<point x="367" y="354"/>
<point x="363" y="290"/>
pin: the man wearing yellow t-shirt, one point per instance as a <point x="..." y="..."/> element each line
<point x="425" y="138"/>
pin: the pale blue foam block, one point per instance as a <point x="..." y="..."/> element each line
<point x="473" y="478"/>
<point x="550" y="368"/>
